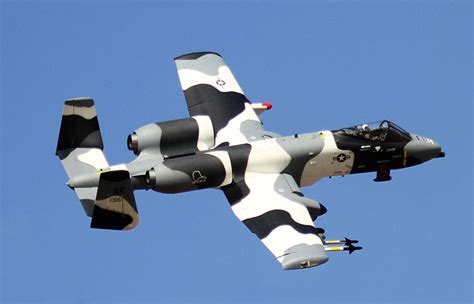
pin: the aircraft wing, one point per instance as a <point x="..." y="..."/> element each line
<point x="271" y="206"/>
<point x="210" y="89"/>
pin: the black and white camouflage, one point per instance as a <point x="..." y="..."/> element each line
<point x="80" y="146"/>
<point x="223" y="145"/>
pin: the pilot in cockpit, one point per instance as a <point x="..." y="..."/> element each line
<point x="363" y="130"/>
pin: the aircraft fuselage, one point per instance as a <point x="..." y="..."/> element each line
<point x="307" y="157"/>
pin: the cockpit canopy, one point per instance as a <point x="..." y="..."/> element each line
<point x="377" y="131"/>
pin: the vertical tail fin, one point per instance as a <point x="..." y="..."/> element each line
<point x="115" y="206"/>
<point x="80" y="145"/>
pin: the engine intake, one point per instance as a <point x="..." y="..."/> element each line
<point x="150" y="178"/>
<point x="132" y="142"/>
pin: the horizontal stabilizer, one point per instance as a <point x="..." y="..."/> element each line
<point x="115" y="206"/>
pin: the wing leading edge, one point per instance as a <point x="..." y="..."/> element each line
<point x="271" y="207"/>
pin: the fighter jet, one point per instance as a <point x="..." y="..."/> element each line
<point x="223" y="145"/>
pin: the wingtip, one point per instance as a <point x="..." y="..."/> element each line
<point x="195" y="55"/>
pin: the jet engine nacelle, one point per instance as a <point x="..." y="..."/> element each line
<point x="173" y="138"/>
<point x="192" y="172"/>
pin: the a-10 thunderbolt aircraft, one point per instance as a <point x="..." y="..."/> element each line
<point x="224" y="146"/>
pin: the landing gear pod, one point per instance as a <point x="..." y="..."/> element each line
<point x="304" y="256"/>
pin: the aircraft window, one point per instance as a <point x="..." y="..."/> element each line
<point x="398" y="134"/>
<point x="377" y="131"/>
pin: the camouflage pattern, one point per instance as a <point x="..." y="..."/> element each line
<point x="173" y="138"/>
<point x="106" y="195"/>
<point x="223" y="145"/>
<point x="115" y="206"/>
<point x="80" y="146"/>
<point x="210" y="89"/>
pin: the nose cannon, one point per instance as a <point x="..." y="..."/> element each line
<point x="421" y="149"/>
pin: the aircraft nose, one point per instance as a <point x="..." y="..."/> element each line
<point x="422" y="149"/>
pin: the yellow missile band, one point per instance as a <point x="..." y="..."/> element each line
<point x="333" y="242"/>
<point x="334" y="248"/>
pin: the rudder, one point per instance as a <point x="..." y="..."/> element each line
<point x="115" y="206"/>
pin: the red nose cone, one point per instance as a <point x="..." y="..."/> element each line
<point x="268" y="105"/>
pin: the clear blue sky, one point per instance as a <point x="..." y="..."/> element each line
<point x="323" y="65"/>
